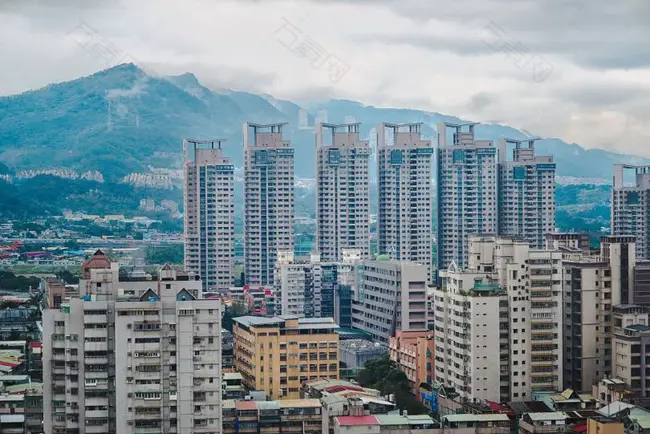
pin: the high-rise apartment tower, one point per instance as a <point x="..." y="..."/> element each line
<point x="268" y="200"/>
<point x="467" y="191"/>
<point x="342" y="191"/>
<point x="209" y="213"/>
<point x="404" y="222"/>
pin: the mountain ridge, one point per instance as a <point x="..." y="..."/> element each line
<point x="121" y="120"/>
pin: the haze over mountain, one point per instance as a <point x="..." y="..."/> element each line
<point x="121" y="120"/>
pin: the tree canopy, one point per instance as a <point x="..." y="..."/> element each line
<point x="384" y="375"/>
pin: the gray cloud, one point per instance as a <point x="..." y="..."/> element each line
<point x="427" y="54"/>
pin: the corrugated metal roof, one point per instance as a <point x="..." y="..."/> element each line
<point x="548" y="415"/>
<point x="476" y="418"/>
<point x="355" y="420"/>
<point x="300" y="403"/>
<point x="268" y="405"/>
<point x="246" y="405"/>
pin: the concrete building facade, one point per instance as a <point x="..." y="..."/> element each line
<point x="276" y="355"/>
<point x="390" y="295"/>
<point x="630" y="347"/>
<point x="592" y="286"/>
<point x="209" y="207"/>
<point x="342" y="191"/>
<point x="132" y="355"/>
<point x="528" y="283"/>
<point x="414" y="353"/>
<point x="467" y="191"/>
<point x="526" y="185"/>
<point x="269" y="196"/>
<point x="630" y="204"/>
<point x="404" y="218"/>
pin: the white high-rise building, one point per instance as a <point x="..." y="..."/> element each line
<point x="342" y="191"/>
<point x="298" y="285"/>
<point x="467" y="191"/>
<point x="507" y="286"/>
<point x="132" y="355"/>
<point x="630" y="206"/>
<point x="404" y="220"/>
<point x="471" y="335"/>
<point x="268" y="200"/>
<point x="526" y="186"/>
<point x="390" y="295"/>
<point x="209" y="213"/>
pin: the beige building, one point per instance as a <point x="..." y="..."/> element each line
<point x="342" y="191"/>
<point x="404" y="218"/>
<point x="390" y="295"/>
<point x="209" y="213"/>
<point x="276" y="355"/>
<point x="268" y="200"/>
<point x="592" y="286"/>
<point x="630" y="346"/>
<point x="133" y="355"/>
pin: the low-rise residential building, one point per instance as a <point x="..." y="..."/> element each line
<point x="413" y="351"/>
<point x="379" y="424"/>
<point x="232" y="386"/>
<point x="278" y="354"/>
<point x="303" y="416"/>
<point x="354" y="353"/>
<point x="547" y="422"/>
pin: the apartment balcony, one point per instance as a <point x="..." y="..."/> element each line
<point x="97" y="429"/>
<point x="96" y="414"/>
<point x="95" y="319"/>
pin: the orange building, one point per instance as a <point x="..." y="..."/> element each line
<point x="413" y="351"/>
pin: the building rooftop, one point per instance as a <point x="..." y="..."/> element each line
<point x="300" y="403"/>
<point x="361" y="345"/>
<point x="638" y="327"/>
<point x="356" y="420"/>
<point x="229" y="376"/>
<point x="548" y="416"/>
<point x="279" y="321"/>
<point x="476" y="418"/>
<point x="396" y="419"/>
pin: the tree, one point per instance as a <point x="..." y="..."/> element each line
<point x="384" y="375"/>
<point x="72" y="245"/>
<point x="236" y="309"/>
<point x="67" y="276"/>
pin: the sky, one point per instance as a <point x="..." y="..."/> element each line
<point x="574" y="69"/>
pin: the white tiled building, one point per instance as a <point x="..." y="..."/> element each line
<point x="209" y="213"/>
<point x="522" y="287"/>
<point x="269" y="195"/>
<point x="132" y="356"/>
<point x="467" y="191"/>
<point x="342" y="191"/>
<point x="404" y="219"/>
<point x="630" y="215"/>
<point x="526" y="192"/>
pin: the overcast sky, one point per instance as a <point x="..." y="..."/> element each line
<point x="574" y="69"/>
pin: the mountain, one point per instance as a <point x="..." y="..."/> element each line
<point x="120" y="120"/>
